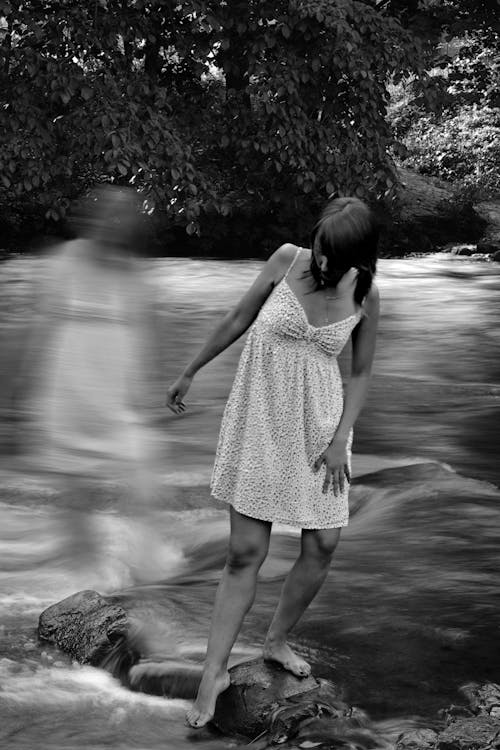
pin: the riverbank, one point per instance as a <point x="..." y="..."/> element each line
<point x="428" y="215"/>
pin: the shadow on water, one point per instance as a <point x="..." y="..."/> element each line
<point x="410" y="610"/>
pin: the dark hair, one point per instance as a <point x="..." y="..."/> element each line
<point x="347" y="235"/>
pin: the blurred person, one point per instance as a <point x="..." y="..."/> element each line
<point x="88" y="362"/>
<point x="285" y="441"/>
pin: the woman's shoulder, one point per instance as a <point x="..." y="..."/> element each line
<point x="282" y="260"/>
<point x="289" y="249"/>
<point x="287" y="253"/>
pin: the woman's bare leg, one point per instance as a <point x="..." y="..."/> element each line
<point x="248" y="547"/>
<point x="300" y="587"/>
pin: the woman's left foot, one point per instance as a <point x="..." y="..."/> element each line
<point x="284" y="655"/>
<point x="211" y="686"/>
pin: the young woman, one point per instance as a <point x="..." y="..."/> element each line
<point x="285" y="441"/>
<point x="90" y="351"/>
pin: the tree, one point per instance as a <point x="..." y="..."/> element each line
<point x="455" y="134"/>
<point x="212" y="109"/>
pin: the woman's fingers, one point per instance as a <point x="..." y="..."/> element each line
<point x="175" y="403"/>
<point x="336" y="481"/>
<point x="347" y="473"/>
<point x="336" y="475"/>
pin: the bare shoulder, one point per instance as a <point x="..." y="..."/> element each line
<point x="286" y="252"/>
<point x="281" y="259"/>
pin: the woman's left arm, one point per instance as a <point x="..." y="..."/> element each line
<point x="363" y="350"/>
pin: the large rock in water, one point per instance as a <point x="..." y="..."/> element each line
<point x="85" y="625"/>
<point x="257" y="687"/>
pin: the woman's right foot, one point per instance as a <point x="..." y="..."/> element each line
<point x="280" y="652"/>
<point x="211" y="686"/>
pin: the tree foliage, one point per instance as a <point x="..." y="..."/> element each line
<point x="459" y="138"/>
<point x="212" y="109"/>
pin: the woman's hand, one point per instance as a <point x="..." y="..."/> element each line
<point x="337" y="466"/>
<point x="176" y="393"/>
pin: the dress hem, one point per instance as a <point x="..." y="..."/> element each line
<point x="285" y="521"/>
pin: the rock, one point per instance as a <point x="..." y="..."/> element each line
<point x="475" y="733"/>
<point x="427" y="216"/>
<point x="483" y="699"/>
<point x="257" y="690"/>
<point x="488" y="247"/>
<point x="417" y="739"/>
<point x="85" y="625"/>
<point x="476" y="727"/>
<point x="496" y="256"/>
<point x="489" y="211"/>
<point x="170" y="678"/>
<point x="463" y="250"/>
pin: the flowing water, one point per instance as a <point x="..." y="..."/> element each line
<point x="410" y="609"/>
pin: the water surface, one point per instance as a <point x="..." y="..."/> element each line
<point x="410" y="610"/>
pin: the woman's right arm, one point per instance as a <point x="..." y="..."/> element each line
<point x="234" y="323"/>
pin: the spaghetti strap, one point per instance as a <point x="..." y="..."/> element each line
<point x="293" y="262"/>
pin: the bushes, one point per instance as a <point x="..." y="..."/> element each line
<point x="459" y="140"/>
<point x="462" y="147"/>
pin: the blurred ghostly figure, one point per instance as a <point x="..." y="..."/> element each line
<point x="93" y="356"/>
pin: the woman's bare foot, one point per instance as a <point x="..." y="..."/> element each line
<point x="282" y="653"/>
<point x="211" y="686"/>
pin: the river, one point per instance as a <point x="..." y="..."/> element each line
<point x="410" y="610"/>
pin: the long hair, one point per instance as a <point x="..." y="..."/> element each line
<point x="347" y="235"/>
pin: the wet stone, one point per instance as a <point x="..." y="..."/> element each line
<point x="417" y="739"/>
<point x="265" y="697"/>
<point x="85" y="625"/>
<point x="476" y="733"/>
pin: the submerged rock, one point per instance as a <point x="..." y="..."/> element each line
<point x="171" y="678"/>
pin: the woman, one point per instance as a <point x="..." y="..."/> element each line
<point x="91" y="355"/>
<point x="285" y="441"/>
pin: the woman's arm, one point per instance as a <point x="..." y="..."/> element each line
<point x="234" y="323"/>
<point x="363" y="350"/>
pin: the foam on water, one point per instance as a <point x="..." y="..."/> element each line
<point x="36" y="565"/>
<point x="77" y="686"/>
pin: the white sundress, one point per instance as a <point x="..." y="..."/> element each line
<point x="284" y="407"/>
